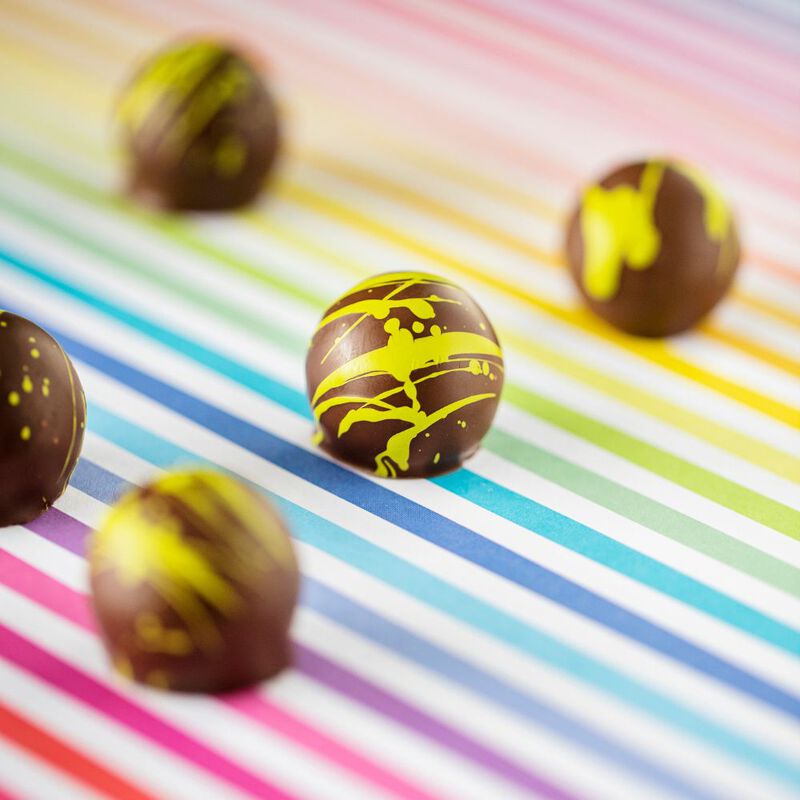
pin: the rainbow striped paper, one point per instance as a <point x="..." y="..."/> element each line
<point x="605" y="603"/>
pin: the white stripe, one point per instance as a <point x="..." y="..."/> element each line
<point x="602" y="462"/>
<point x="722" y="463"/>
<point x="107" y="742"/>
<point x="434" y="767"/>
<point x="251" y="745"/>
<point x="31" y="778"/>
<point x="240" y="402"/>
<point x="534" y="610"/>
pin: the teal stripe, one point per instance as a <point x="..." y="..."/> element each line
<point x="637" y="507"/>
<point x="543" y="521"/>
<point x="345" y="546"/>
<point x="491" y="495"/>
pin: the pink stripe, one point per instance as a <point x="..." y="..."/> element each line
<point x="617" y="24"/>
<point x="406" y="113"/>
<point x="62" y="675"/>
<point x="587" y="95"/>
<point x="72" y="605"/>
<point x="4" y="795"/>
<point x="267" y="713"/>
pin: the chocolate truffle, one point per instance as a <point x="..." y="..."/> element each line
<point x="404" y="375"/>
<point x="201" y="128"/>
<point x="194" y="582"/>
<point x="652" y="247"/>
<point x="42" y="420"/>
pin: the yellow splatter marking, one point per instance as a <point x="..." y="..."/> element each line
<point x="157" y="678"/>
<point x="35" y="353"/>
<point x="417" y="326"/>
<point x="143" y="541"/>
<point x="618" y="227"/>
<point x="401" y="356"/>
<point x="153" y="637"/>
<point x="122" y="664"/>
<point x="13" y="398"/>
<point x="27" y="384"/>
<point x="229" y="156"/>
<point x="436" y="458"/>
<point x="25" y="433"/>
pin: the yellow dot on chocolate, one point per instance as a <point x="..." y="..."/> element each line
<point x="27" y="384"/>
<point x="35" y="353"/>
<point x="25" y="434"/>
<point x="32" y="339"/>
<point x="3" y="324"/>
<point x="435" y="330"/>
<point x="417" y="326"/>
<point x="482" y="326"/>
<point x="13" y="398"/>
<point x="46" y="389"/>
<point x="436" y="458"/>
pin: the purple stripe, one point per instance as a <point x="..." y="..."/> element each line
<point x="61" y="529"/>
<point x="362" y="691"/>
<point x="69" y="533"/>
<point x="111" y="703"/>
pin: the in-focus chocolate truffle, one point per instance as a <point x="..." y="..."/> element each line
<point x="42" y="420"/>
<point x="201" y="128"/>
<point x="194" y="582"/>
<point x="404" y="375"/>
<point x="652" y="247"/>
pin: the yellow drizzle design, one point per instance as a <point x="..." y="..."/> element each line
<point x="143" y="542"/>
<point x="169" y="81"/>
<point x="618" y="227"/>
<point x="400" y="357"/>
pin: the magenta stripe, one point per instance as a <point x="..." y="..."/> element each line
<point x="62" y="675"/>
<point x="44" y="590"/>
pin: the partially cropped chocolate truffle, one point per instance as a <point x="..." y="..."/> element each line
<point x="194" y="582"/>
<point x="201" y="128"/>
<point x="404" y="375"/>
<point x="42" y="420"/>
<point x="653" y="247"/>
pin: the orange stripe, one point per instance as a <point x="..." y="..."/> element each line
<point x="66" y="758"/>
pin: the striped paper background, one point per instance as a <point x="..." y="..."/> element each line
<point x="606" y="602"/>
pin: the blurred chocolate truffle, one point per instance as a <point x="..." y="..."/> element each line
<point x="404" y="375"/>
<point x="201" y="129"/>
<point x="653" y="247"/>
<point x="194" y="582"/>
<point x="42" y="420"/>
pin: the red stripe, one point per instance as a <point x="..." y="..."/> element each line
<point x="31" y="737"/>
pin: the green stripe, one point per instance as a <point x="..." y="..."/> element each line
<point x="650" y="513"/>
<point x="716" y="488"/>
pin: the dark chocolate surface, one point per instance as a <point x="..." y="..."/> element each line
<point x="194" y="582"/>
<point x="201" y="128"/>
<point x="652" y="248"/>
<point x="42" y="420"/>
<point x="404" y="376"/>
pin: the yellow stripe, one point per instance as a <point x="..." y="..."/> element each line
<point x="657" y="352"/>
<point x="654" y="351"/>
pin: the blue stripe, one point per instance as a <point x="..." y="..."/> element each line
<point x="415" y="518"/>
<point x="340" y="543"/>
<point x="351" y="549"/>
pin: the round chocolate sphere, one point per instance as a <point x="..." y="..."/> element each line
<point x="194" y="582"/>
<point x="652" y="247"/>
<point x="404" y="375"/>
<point x="201" y="128"/>
<point x="42" y="420"/>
